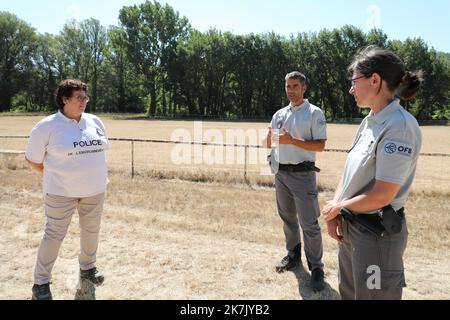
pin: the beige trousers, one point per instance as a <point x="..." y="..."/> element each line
<point x="59" y="211"/>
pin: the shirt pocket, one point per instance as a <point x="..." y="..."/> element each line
<point x="366" y="150"/>
<point x="300" y="128"/>
<point x="363" y="147"/>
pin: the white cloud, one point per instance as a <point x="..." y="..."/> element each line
<point x="374" y="20"/>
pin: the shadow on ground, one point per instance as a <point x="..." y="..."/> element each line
<point x="305" y="290"/>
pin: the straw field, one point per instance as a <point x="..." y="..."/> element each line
<point x="187" y="227"/>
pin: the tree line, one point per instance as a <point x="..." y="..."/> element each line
<point x="154" y="62"/>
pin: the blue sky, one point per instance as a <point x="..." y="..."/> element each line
<point x="399" y="19"/>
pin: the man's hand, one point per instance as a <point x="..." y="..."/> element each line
<point x="279" y="138"/>
<point x="335" y="229"/>
<point x="285" y="137"/>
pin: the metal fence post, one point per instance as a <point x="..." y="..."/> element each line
<point x="132" y="159"/>
<point x="245" y="164"/>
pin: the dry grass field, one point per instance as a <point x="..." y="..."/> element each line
<point x="193" y="231"/>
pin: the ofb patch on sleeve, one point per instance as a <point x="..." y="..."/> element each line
<point x="391" y="147"/>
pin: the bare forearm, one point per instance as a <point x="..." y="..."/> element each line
<point x="382" y="194"/>
<point x="314" y="145"/>
<point x="367" y="202"/>
<point x="378" y="197"/>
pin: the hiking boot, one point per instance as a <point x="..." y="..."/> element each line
<point x="93" y="275"/>
<point x="41" y="292"/>
<point x="317" y="280"/>
<point x="288" y="262"/>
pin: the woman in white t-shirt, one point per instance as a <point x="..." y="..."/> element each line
<point x="69" y="148"/>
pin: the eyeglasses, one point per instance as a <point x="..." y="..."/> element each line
<point x="82" y="98"/>
<point x="353" y="81"/>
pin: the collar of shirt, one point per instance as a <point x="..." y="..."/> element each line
<point x="381" y="116"/>
<point x="292" y="108"/>
<point x="65" y="119"/>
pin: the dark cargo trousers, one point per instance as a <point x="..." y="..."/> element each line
<point x="371" y="267"/>
<point x="297" y="202"/>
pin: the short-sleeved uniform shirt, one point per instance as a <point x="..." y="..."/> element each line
<point x="386" y="148"/>
<point x="73" y="154"/>
<point x="306" y="122"/>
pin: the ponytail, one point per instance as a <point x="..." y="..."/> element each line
<point x="410" y="84"/>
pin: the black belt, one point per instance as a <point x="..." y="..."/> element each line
<point x="376" y="217"/>
<point x="301" y="167"/>
<point x="374" y="223"/>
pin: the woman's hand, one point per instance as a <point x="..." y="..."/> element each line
<point x="37" y="166"/>
<point x="331" y="210"/>
<point x="335" y="229"/>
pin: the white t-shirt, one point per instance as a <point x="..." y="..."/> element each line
<point x="73" y="154"/>
<point x="306" y="122"/>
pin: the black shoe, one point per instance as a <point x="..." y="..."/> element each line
<point x="317" y="280"/>
<point x="93" y="275"/>
<point x="288" y="262"/>
<point x="41" y="292"/>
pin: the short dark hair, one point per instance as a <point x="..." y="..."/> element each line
<point x="65" y="89"/>
<point x="391" y="69"/>
<point x="296" y="75"/>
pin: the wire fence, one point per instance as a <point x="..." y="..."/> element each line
<point x="246" y="148"/>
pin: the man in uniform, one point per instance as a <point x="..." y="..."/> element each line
<point x="296" y="133"/>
